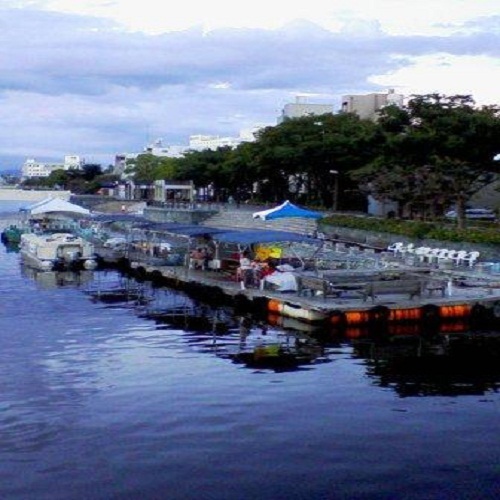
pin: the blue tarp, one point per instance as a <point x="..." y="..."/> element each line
<point x="286" y="209"/>
<point x="251" y="236"/>
<point x="195" y="230"/>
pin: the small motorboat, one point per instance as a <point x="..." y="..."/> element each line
<point x="57" y="251"/>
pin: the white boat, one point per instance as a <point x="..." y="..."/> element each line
<point x="57" y="251"/>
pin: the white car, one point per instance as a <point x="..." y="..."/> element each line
<point x="473" y="213"/>
<point x="116" y="243"/>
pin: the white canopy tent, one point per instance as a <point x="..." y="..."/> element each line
<point x="55" y="206"/>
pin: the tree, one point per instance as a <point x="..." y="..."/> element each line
<point x="59" y="177"/>
<point x="437" y="148"/>
<point x="91" y="170"/>
<point x="310" y="158"/>
<point x="206" y="169"/>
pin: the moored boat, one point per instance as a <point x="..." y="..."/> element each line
<point x="57" y="251"/>
<point x="12" y="235"/>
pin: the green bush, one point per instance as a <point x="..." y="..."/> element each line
<point x="485" y="233"/>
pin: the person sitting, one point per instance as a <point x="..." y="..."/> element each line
<point x="244" y="272"/>
<point x="196" y="259"/>
<point x="266" y="268"/>
<point x="207" y="257"/>
<point x="281" y="279"/>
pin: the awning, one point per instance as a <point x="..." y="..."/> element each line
<point x="286" y="209"/>
<point x="251" y="236"/>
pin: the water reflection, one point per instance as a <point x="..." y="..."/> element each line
<point x="57" y="279"/>
<point x="260" y="346"/>
<point x="241" y="339"/>
<point x="11" y="247"/>
<point x="414" y="363"/>
<point x="442" y="365"/>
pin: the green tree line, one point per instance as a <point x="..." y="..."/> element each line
<point x="435" y="152"/>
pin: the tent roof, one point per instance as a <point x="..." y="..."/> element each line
<point x="250" y="236"/>
<point x="196" y="230"/>
<point x="286" y="209"/>
<point x="56" y="205"/>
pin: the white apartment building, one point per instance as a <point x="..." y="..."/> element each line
<point x="197" y="142"/>
<point x="73" y="162"/>
<point x="367" y="106"/>
<point x="32" y="168"/>
<point x="301" y="108"/>
<point x="202" y="142"/>
<point x="156" y="148"/>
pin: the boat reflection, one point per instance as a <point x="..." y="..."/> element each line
<point x="263" y="347"/>
<point x="57" y="279"/>
<point x="447" y="364"/>
<point x="11" y="247"/>
<point x="244" y="340"/>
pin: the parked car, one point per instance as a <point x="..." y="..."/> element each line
<point x="116" y="243"/>
<point x="473" y="213"/>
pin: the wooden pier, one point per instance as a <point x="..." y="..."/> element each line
<point x="460" y="295"/>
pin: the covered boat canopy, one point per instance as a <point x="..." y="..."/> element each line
<point x="286" y="209"/>
<point x="251" y="236"/>
<point x="55" y="205"/>
<point x="195" y="230"/>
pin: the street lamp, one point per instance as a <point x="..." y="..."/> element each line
<point x="335" y="173"/>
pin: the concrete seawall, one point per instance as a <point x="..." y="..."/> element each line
<point x="8" y="194"/>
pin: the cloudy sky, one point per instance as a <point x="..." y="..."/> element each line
<point x="99" y="77"/>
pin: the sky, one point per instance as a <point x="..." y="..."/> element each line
<point x="100" y="77"/>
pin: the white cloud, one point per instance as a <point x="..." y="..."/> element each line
<point x="395" y="16"/>
<point x="447" y="74"/>
<point x="91" y="76"/>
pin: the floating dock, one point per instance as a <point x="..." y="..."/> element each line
<point x="471" y="300"/>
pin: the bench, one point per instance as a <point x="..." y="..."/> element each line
<point x="345" y="278"/>
<point x="436" y="286"/>
<point x="311" y="284"/>
<point x="412" y="287"/>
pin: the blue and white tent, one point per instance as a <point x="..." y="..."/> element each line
<point x="286" y="209"/>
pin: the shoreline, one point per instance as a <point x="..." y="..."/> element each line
<point x="13" y="194"/>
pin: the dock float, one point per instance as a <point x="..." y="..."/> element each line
<point x="464" y="308"/>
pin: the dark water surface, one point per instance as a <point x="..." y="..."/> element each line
<point x="99" y="402"/>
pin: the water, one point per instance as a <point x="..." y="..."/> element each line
<point x="99" y="402"/>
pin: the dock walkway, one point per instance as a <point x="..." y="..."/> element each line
<point x="469" y="296"/>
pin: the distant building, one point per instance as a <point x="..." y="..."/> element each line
<point x="367" y="106"/>
<point x="73" y="162"/>
<point x="197" y="142"/>
<point x="173" y="191"/>
<point x="203" y="142"/>
<point x="156" y="148"/>
<point x="32" y="168"/>
<point x="121" y="162"/>
<point x="301" y="108"/>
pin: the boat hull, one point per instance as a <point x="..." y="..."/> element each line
<point x="59" y="251"/>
